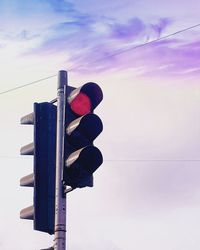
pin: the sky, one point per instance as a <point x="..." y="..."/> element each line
<point x="146" y="194"/>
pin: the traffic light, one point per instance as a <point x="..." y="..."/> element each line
<point x="42" y="180"/>
<point x="81" y="157"/>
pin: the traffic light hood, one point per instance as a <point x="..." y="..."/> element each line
<point x="91" y="90"/>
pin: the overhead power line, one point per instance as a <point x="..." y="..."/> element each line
<point x="111" y="55"/>
<point x="140" y="45"/>
<point x="156" y="40"/>
<point x="25" y="85"/>
<point x="154" y="160"/>
<point x="121" y="160"/>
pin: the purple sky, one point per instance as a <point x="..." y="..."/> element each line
<point x="147" y="192"/>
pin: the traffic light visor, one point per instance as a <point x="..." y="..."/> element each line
<point x="85" y="99"/>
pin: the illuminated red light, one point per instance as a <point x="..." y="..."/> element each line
<point x="81" y="104"/>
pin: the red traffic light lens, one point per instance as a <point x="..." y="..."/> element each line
<point x="81" y="104"/>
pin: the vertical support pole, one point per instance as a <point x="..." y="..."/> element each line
<point x="60" y="199"/>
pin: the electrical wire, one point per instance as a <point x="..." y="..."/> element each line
<point x="111" y="55"/>
<point x="140" y="45"/>
<point x="154" y="160"/>
<point x="121" y="160"/>
<point x="27" y="84"/>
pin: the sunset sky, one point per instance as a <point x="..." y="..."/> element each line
<point x="147" y="192"/>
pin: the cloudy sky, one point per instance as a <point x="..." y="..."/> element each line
<point x="147" y="192"/>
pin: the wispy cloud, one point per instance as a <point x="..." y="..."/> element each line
<point x="88" y="42"/>
<point x="129" y="31"/>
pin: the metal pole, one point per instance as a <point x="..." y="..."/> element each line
<point x="60" y="199"/>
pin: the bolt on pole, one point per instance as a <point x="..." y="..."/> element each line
<point x="60" y="199"/>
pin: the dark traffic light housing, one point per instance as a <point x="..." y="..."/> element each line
<point x="82" y="126"/>
<point x="42" y="180"/>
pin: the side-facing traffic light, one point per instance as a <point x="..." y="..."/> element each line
<point x="42" y="180"/>
<point x="82" y="158"/>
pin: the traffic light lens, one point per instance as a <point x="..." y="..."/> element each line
<point x="81" y="104"/>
